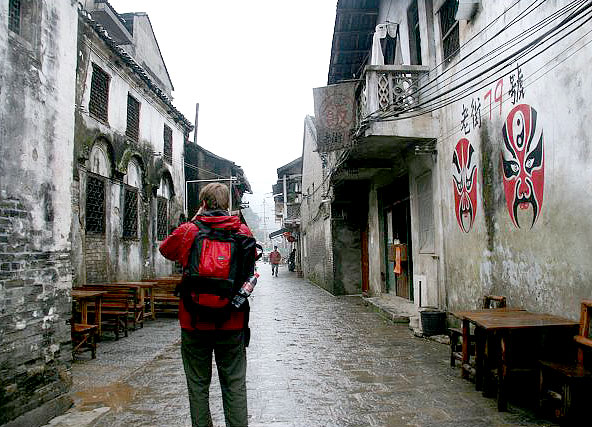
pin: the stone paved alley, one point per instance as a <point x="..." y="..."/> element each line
<point x="314" y="360"/>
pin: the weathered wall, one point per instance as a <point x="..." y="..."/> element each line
<point x="37" y="77"/>
<point x="110" y="256"/>
<point x="315" y="215"/>
<point x="147" y="53"/>
<point x="543" y="266"/>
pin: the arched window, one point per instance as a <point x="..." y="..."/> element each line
<point x="163" y="196"/>
<point x="99" y="169"/>
<point x="131" y="188"/>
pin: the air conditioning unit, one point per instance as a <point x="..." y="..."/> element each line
<point x="467" y="9"/>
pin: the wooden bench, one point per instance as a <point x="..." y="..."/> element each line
<point x="165" y="300"/>
<point x="455" y="334"/>
<point x="566" y="386"/>
<point x="118" y="306"/>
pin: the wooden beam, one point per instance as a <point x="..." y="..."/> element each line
<point x="350" y="11"/>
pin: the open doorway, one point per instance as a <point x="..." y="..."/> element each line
<point x="397" y="239"/>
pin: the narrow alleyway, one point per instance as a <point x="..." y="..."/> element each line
<point x="314" y="360"/>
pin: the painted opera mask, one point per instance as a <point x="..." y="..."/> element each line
<point x="464" y="180"/>
<point x="523" y="162"/>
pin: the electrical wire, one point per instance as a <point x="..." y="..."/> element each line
<point x="528" y="81"/>
<point x="441" y="94"/>
<point x="425" y="91"/>
<point x="524" y="50"/>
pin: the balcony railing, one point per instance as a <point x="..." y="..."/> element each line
<point x="391" y="88"/>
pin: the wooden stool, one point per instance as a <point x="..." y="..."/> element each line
<point x="569" y="385"/>
<point x="84" y="338"/>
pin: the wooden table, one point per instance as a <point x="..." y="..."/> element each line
<point x="494" y="328"/>
<point x="83" y="297"/>
<point x="142" y="287"/>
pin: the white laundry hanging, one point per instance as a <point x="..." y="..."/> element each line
<point x="381" y="32"/>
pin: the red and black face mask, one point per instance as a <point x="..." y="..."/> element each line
<point x="464" y="180"/>
<point x="523" y="162"/>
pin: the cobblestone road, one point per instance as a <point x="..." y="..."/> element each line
<point x="314" y="360"/>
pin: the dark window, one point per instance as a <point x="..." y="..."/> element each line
<point x="130" y="212"/>
<point x="133" y="118"/>
<point x="414" y="34"/>
<point x="99" y="94"/>
<point x="168" y="144"/>
<point x="14" y="16"/>
<point x="95" y="204"/>
<point x="449" y="29"/>
<point x="161" y="218"/>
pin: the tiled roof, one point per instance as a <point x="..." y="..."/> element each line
<point x="355" y="21"/>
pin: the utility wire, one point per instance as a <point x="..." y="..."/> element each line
<point x="423" y="88"/>
<point x="533" y="44"/>
<point x="488" y="84"/>
<point x="504" y="47"/>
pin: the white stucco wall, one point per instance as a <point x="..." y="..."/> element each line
<point x="130" y="258"/>
<point x="147" y="53"/>
<point x="546" y="267"/>
<point x="315" y="215"/>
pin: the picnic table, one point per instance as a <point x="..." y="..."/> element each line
<point x="83" y="297"/>
<point x="165" y="300"/>
<point x="494" y="329"/>
<point x="142" y="287"/>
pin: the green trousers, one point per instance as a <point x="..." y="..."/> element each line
<point x="231" y="361"/>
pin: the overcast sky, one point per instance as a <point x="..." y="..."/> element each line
<point x="251" y="65"/>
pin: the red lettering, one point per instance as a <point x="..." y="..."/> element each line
<point x="499" y="97"/>
<point x="488" y="95"/>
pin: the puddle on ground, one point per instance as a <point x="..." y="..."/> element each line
<point x="117" y="396"/>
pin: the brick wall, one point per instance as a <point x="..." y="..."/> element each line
<point x="95" y="258"/>
<point x="35" y="347"/>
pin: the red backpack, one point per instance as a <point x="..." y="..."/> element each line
<point x="220" y="261"/>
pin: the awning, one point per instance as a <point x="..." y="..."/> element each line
<point x="277" y="233"/>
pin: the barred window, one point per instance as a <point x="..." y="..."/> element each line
<point x="99" y="94"/>
<point x="449" y="29"/>
<point x="95" y="204"/>
<point x="162" y="222"/>
<point x="130" y="213"/>
<point x="133" y="118"/>
<point x="14" y="16"/>
<point x="168" y="144"/>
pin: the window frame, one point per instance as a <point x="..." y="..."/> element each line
<point x="167" y="151"/>
<point x="97" y="70"/>
<point x="414" y="33"/>
<point x="12" y="19"/>
<point x="132" y="129"/>
<point x="130" y="217"/>
<point x="103" y="180"/>
<point x="162" y="229"/>
<point x="426" y="200"/>
<point x="450" y="7"/>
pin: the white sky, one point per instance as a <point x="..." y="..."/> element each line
<point x="252" y="66"/>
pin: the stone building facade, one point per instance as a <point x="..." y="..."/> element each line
<point x="128" y="189"/>
<point x="315" y="212"/>
<point x="37" y="81"/>
<point x="92" y="177"/>
<point x="447" y="200"/>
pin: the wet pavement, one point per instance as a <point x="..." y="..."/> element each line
<point x="314" y="360"/>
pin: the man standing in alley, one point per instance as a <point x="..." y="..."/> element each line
<point x="274" y="258"/>
<point x="218" y="255"/>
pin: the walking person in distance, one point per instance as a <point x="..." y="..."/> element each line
<point x="274" y="258"/>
